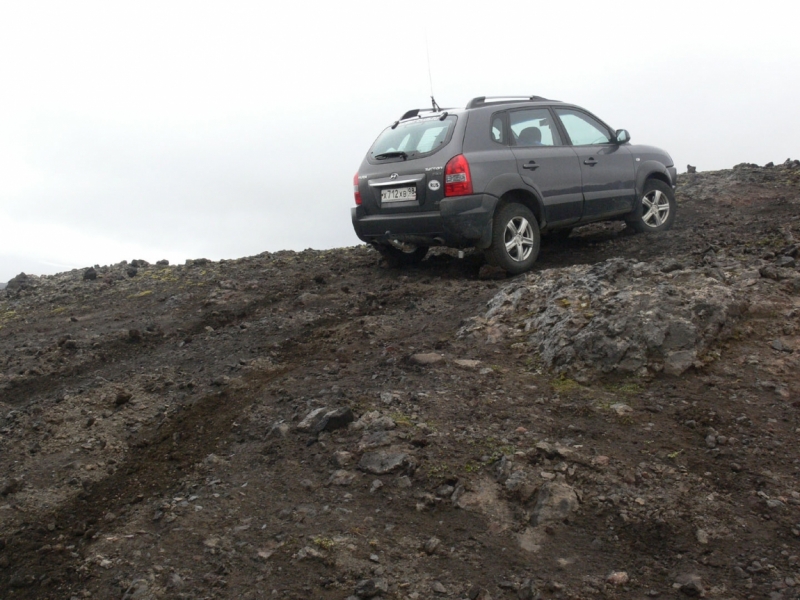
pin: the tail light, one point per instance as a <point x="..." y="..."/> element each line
<point x="356" y="193"/>
<point x="457" y="180"/>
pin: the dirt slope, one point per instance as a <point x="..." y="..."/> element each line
<point x="160" y="434"/>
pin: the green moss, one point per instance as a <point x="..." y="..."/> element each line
<point x="401" y="419"/>
<point x="492" y="449"/>
<point x="629" y="388"/>
<point x="563" y="385"/>
<point x="325" y="543"/>
<point x="438" y="469"/>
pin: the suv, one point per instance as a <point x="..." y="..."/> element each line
<point x="498" y="173"/>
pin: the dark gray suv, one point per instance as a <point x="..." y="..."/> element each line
<point x="498" y="173"/>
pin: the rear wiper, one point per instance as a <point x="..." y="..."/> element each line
<point x="397" y="154"/>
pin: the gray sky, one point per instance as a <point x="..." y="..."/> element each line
<point x="223" y="129"/>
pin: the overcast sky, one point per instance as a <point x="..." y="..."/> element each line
<point x="223" y="129"/>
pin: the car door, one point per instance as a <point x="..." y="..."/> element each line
<point x="607" y="168"/>
<point x="546" y="164"/>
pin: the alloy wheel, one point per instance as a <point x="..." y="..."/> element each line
<point x="655" y="208"/>
<point x="519" y="239"/>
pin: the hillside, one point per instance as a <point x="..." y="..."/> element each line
<point x="622" y="422"/>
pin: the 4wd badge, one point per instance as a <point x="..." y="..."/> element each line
<point x="434" y="185"/>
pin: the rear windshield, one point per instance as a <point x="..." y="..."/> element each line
<point x="414" y="138"/>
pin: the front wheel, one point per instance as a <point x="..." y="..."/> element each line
<point x="409" y="255"/>
<point x="658" y="208"/>
<point x="515" y="239"/>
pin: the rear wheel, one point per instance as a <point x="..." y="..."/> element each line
<point x="658" y="208"/>
<point x="409" y="255"/>
<point x="515" y="239"/>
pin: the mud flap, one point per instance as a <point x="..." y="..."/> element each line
<point x="469" y="219"/>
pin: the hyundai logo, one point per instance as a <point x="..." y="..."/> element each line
<point x="394" y="176"/>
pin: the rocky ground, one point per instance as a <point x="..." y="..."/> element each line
<point x="622" y="422"/>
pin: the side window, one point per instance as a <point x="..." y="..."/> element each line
<point x="533" y="127"/>
<point x="583" y="130"/>
<point x="497" y="129"/>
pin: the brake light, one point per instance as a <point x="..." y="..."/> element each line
<point x="457" y="180"/>
<point x="356" y="193"/>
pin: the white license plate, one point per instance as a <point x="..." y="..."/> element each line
<point x="402" y="194"/>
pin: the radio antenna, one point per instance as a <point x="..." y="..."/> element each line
<point x="435" y="106"/>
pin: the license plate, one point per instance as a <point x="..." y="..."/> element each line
<point x="402" y="194"/>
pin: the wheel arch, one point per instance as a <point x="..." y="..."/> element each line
<point x="648" y="170"/>
<point x="510" y="187"/>
<point x="527" y="199"/>
<point x="660" y="177"/>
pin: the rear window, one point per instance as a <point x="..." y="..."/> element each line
<point x="415" y="138"/>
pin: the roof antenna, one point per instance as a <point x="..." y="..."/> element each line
<point x="434" y="106"/>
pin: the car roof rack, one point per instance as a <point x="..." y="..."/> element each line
<point x="482" y="100"/>
<point x="415" y="112"/>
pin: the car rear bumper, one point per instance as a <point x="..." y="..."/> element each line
<point x="461" y="221"/>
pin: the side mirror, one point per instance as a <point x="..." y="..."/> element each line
<point x="623" y="136"/>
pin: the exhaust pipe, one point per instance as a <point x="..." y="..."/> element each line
<point x="411" y="246"/>
<point x="403" y="247"/>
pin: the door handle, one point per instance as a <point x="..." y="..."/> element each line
<point x="590" y="162"/>
<point x="530" y="165"/>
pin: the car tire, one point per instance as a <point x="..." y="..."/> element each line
<point x="396" y="257"/>
<point x="515" y="239"/>
<point x="657" y="208"/>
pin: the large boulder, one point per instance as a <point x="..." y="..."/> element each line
<point x="555" y="501"/>
<point x="383" y="462"/>
<point x="20" y="281"/>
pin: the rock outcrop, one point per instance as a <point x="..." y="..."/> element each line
<point x="619" y="315"/>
